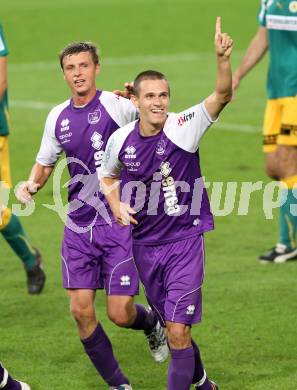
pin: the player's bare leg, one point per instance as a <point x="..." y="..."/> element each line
<point x="282" y="165"/>
<point x="125" y="313"/>
<point x="121" y="310"/>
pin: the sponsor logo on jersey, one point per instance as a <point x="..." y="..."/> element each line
<point x="125" y="280"/>
<point x="132" y="166"/>
<point x="190" y="310"/>
<point x="293" y="6"/>
<point x="65" y="124"/>
<point x="97" y="144"/>
<point x="281" y="22"/>
<point x="169" y="190"/>
<point x="97" y="140"/>
<point x="160" y="148"/>
<point x="130" y="152"/>
<point x="64" y="138"/>
<point x="165" y="168"/>
<point x="94" y="117"/>
<point x="185" y="118"/>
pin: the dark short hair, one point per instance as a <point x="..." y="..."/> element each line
<point x="78" y="47"/>
<point x="147" y="75"/>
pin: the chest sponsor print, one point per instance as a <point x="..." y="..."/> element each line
<point x="169" y="190"/>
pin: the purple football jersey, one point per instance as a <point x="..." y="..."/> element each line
<point x="82" y="133"/>
<point x="165" y="184"/>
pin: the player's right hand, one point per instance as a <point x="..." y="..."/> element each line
<point x="127" y="93"/>
<point x="223" y="42"/>
<point x="26" y="190"/>
<point x="124" y="216"/>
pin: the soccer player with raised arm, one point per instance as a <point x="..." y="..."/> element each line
<point x="11" y="228"/>
<point x="171" y="211"/>
<point x="96" y="251"/>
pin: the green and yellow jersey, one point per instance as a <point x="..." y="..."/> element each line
<point x="4" y="128"/>
<point x="280" y="19"/>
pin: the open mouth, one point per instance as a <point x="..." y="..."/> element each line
<point x="157" y="111"/>
<point x="79" y="83"/>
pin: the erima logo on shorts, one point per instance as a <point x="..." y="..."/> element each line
<point x="65" y="124"/>
<point x="191" y="310"/>
<point x="125" y="280"/>
<point x="185" y="118"/>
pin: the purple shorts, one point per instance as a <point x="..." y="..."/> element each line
<point x="172" y="275"/>
<point x="100" y="258"/>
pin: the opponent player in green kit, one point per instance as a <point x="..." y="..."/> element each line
<point x="278" y="34"/>
<point x="10" y="225"/>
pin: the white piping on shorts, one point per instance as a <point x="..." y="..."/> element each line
<point x="5" y="377"/>
<point x="68" y="278"/>
<point x="91" y="235"/>
<point x="122" y="262"/>
<point x="203" y="260"/>
<point x="203" y="251"/>
<point x="162" y="319"/>
<point x="160" y="316"/>
<point x="172" y="319"/>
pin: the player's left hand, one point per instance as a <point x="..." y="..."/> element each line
<point x="127" y="93"/>
<point x="223" y="42"/>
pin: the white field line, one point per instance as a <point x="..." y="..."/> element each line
<point x="131" y="60"/>
<point x="30" y="105"/>
<point x="236" y="127"/>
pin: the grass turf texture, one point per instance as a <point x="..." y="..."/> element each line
<point x="248" y="333"/>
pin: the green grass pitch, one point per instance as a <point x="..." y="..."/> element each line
<point x="248" y="332"/>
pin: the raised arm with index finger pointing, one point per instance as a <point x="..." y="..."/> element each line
<point x="223" y="91"/>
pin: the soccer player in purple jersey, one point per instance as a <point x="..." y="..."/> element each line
<point x="171" y="210"/>
<point x="8" y="383"/>
<point x="94" y="249"/>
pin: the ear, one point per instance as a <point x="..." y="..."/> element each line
<point x="134" y="100"/>
<point x="98" y="69"/>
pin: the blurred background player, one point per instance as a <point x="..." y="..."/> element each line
<point x="8" y="383"/>
<point x="278" y="34"/>
<point x="10" y="225"/>
<point x="168" y="234"/>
